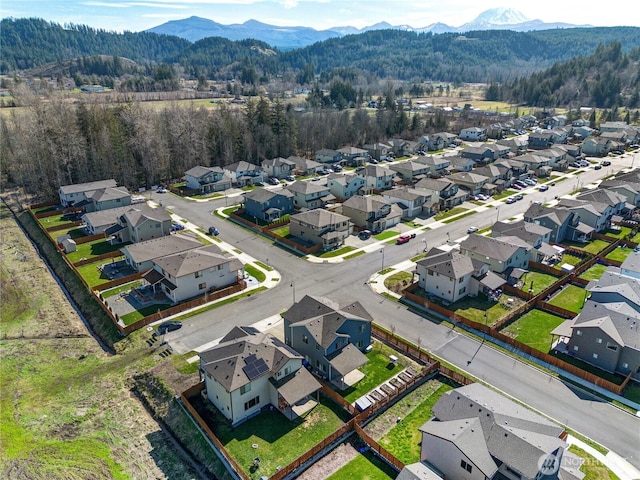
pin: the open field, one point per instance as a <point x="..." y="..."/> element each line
<point x="66" y="405"/>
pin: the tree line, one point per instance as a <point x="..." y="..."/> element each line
<point x="49" y="143"/>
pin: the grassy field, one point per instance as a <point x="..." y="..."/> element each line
<point x="397" y="280"/>
<point x="594" y="272"/>
<point x="594" y="246"/>
<point x="620" y="254"/>
<point x="534" y="329"/>
<point x="365" y="466"/>
<point x="570" y="259"/>
<point x="66" y="408"/>
<point x="539" y="280"/>
<point x="92" y="249"/>
<point x="483" y="311"/>
<point x="571" y="297"/>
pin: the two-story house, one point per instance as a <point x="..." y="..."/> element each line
<point x="413" y="202"/>
<point x="98" y="222"/>
<point x="244" y="173"/>
<point x="278" y="167"/>
<point x="104" y="199"/>
<point x="309" y="194"/>
<point x="372" y="213"/>
<point x="627" y="185"/>
<point x="377" y="178"/>
<point x="460" y="164"/>
<point x="207" y="179"/>
<point x="328" y="155"/>
<point x="516" y="145"/>
<point x="448" y="139"/>
<point x="344" y="186"/>
<point x="596" y="207"/>
<point x="411" y="171"/>
<point x="268" y="205"/>
<point x="249" y="371"/>
<point x="445" y="274"/>
<point x="438" y="164"/>
<point x="331" y="338"/>
<point x="431" y="142"/>
<point x="354" y="156"/>
<point x="501" y="253"/>
<point x="139" y="223"/>
<point x="470" y="181"/>
<point x="139" y="256"/>
<point x="378" y="150"/>
<point x="476" y="134"/>
<point x="540" y="140"/>
<point x="447" y="192"/>
<point x="321" y="227"/>
<point x="304" y="166"/>
<point x="481" y="155"/>
<point x="192" y="273"/>
<point x="70" y="194"/>
<point x="563" y="223"/>
<point x="535" y="235"/>
<point x="597" y="146"/>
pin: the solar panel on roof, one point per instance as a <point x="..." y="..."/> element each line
<point x="250" y="359"/>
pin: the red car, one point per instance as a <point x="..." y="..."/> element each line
<point x="404" y="238"/>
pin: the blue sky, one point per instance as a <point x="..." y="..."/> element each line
<point x="138" y="15"/>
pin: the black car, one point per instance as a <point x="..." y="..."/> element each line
<point x="214" y="231"/>
<point x="168" y="326"/>
<point x="364" y="235"/>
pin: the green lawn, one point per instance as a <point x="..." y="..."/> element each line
<point x="54" y="221"/>
<point x="112" y="292"/>
<point x="620" y="254"/>
<point x="365" y="466"/>
<point x="337" y="252"/>
<point x="594" y="246"/>
<point x="540" y="281"/>
<point x="399" y="278"/>
<point x="92" y="274"/>
<point x="623" y="232"/>
<point x="453" y="211"/>
<point x="534" y="329"/>
<point x="592" y="468"/>
<point x="474" y="308"/>
<point x="279" y="441"/>
<point x="570" y="259"/>
<point x="255" y="273"/>
<point x="571" y="297"/>
<point x="282" y="231"/>
<point x="404" y="439"/>
<point x="93" y="249"/>
<point x="594" y="272"/>
<point x="136" y="315"/>
<point x="376" y="371"/>
<point x="386" y="234"/>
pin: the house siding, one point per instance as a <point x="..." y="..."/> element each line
<point x="446" y="457"/>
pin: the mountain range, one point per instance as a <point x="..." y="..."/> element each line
<point x="197" y="28"/>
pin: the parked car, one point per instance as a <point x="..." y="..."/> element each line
<point x="606" y="163"/>
<point x="175" y="226"/>
<point x="161" y="190"/>
<point x="518" y="197"/>
<point x="214" y="231"/>
<point x="472" y="229"/>
<point x="258" y="184"/>
<point x="511" y="200"/>
<point x="337" y="168"/>
<point x="273" y="181"/>
<point x="168" y="326"/>
<point x="597" y="167"/>
<point x="291" y="178"/>
<point x="403" y="239"/>
<point x="543" y="188"/>
<point x="515" y="186"/>
<point x="364" y="235"/>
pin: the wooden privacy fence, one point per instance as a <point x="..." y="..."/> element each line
<point x="378" y="449"/>
<point x="48" y="203"/>
<point x="104" y="256"/>
<point x="64" y="226"/>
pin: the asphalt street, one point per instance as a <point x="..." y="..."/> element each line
<point x="346" y="282"/>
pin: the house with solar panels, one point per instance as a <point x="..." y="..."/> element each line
<point x="249" y="371"/>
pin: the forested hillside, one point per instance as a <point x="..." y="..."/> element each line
<point x="609" y="78"/>
<point x="482" y="56"/>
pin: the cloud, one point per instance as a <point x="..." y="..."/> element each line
<point x="289" y="3"/>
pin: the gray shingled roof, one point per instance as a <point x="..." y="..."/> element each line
<point x="191" y="261"/>
<point x="320" y="217"/>
<point x="159" y="247"/>
<point x="138" y="214"/>
<point x="86" y="187"/>
<point x="108" y="193"/>
<point x="498" y="248"/>
<point x="296" y="386"/>
<point x="201" y="171"/>
<point x="306" y="187"/>
<point x="262" y="195"/>
<point x="451" y="264"/>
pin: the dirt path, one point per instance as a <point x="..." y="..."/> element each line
<point x="332" y="462"/>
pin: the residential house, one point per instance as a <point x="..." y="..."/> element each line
<point x="593" y="209"/>
<point x="411" y="171"/>
<point x="477" y="134"/>
<point x="309" y="195"/>
<point x="98" y="222"/>
<point x="480" y="155"/>
<point x="536" y="163"/>
<point x="139" y="223"/>
<point x="556" y="121"/>
<point x="561" y="134"/>
<point x="499" y="150"/>
<point x="70" y="194"/>
<point x="432" y="142"/>
<point x="104" y="199"/>
<point x="619" y="139"/>
<point x="193" y="272"/>
<point x="344" y="186"/>
<point x="244" y="173"/>
<point x="518" y="169"/>
<point x="249" y="371"/>
<point x="402" y="148"/>
<point x="377" y="178"/>
<point x="447" y="192"/>
<point x="438" y="165"/>
<point x="605" y="332"/>
<point x="378" y="151"/>
<point x="207" y="179"/>
<point x="278" y="167"/>
<point x="331" y="338"/>
<point x="354" y="156"/>
<point x="540" y="140"/>
<point x="613" y="126"/>
<point x="535" y="235"/>
<point x="413" y="202"/>
<point x="583" y="132"/>
<point x="597" y="146"/>
<point x="460" y="164"/>
<point x="371" y="213"/>
<point x="304" y="166"/>
<point x="268" y="205"/>
<point x="564" y="224"/>
<point x="327" y="155"/>
<point x="445" y="274"/>
<point x="477" y="433"/>
<point x="321" y="227"/>
<point x="501" y="253"/>
<point x="498" y="177"/>
<point x="572" y="150"/>
<point x="470" y="181"/>
<point x="140" y="256"/>
<point x="627" y="185"/>
<point x="496" y="131"/>
<point x="557" y="157"/>
<point x="448" y="139"/>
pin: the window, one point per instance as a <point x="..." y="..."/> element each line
<point x="578" y="332"/>
<point x="430" y="272"/>
<point x="612" y="347"/>
<point x="198" y="274"/>
<point x="252" y="403"/>
<point x="595" y="355"/>
<point x="461" y="279"/>
<point x="575" y="348"/>
<point x="467" y="466"/>
<point x="363" y="327"/>
<point x="598" y="340"/>
<point x="245" y="388"/>
<point x="202" y="286"/>
<point x="462" y="290"/>
<point x="305" y="339"/>
<point x="625" y="365"/>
